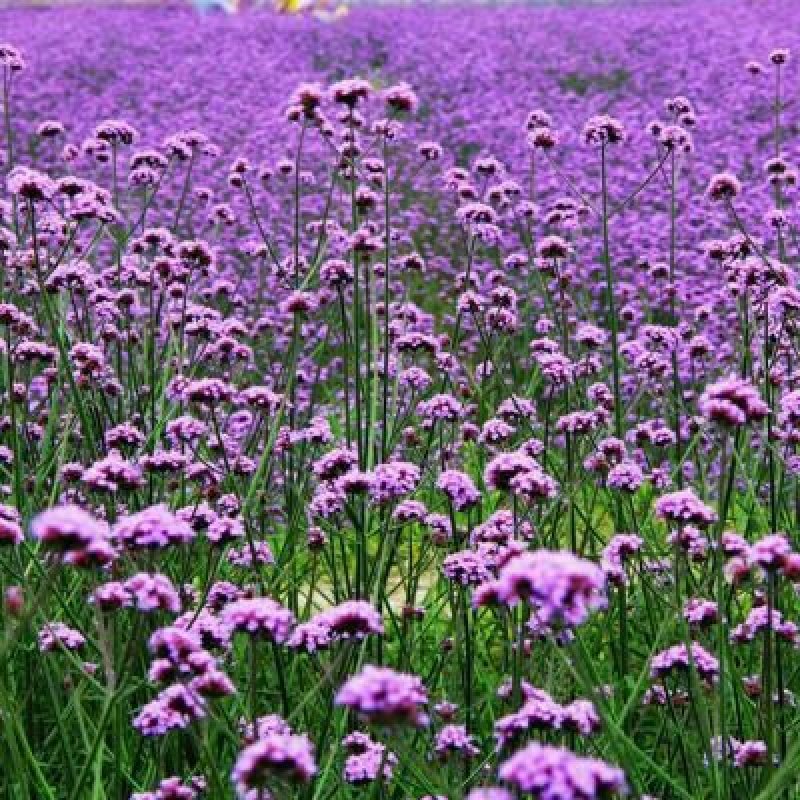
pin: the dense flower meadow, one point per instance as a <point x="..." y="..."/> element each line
<point x="402" y="408"/>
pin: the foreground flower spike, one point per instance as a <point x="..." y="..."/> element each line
<point x="351" y="619"/>
<point x="732" y="402"/>
<point x="490" y="793"/>
<point x="367" y="760"/>
<point x="175" y="789"/>
<point x="73" y="536"/>
<point x="680" y="658"/>
<point x="350" y="92"/>
<point x="545" y="772"/>
<point x="260" y="617"/>
<point x="684" y="507"/>
<point x="274" y="757"/>
<point x="724" y="186"/>
<point x="10" y="528"/>
<point x="602" y="130"/>
<point x="562" y="588"/>
<point x="400" y="98"/>
<point x="30" y="185"/>
<point x="55" y="636"/>
<point x="459" y="488"/>
<point x="11" y="58"/>
<point x="174" y="708"/>
<point x="385" y="697"/>
<point x="153" y="528"/>
<point x="455" y="740"/>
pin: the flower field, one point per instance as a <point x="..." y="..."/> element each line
<point x="403" y="407"/>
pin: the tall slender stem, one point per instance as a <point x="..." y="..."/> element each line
<point x="611" y="311"/>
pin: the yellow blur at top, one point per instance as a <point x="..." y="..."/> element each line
<point x="321" y="9"/>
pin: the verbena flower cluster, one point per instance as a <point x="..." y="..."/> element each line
<point x="405" y="407"/>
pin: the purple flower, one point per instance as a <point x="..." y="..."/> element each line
<point x="383" y="696"/>
<point x="213" y="632"/>
<point x="74" y="536"/>
<point x="562" y="587"/>
<point x="174" y="708"/>
<point x="758" y="620"/>
<point x="225" y="529"/>
<point x="499" y="527"/>
<point x="780" y="56"/>
<point x="366" y="759"/>
<point x="678" y="657"/>
<point x="350" y="91"/>
<point x="538" y="712"/>
<point x="250" y="555"/>
<point x="311" y="636"/>
<point x="261" y="617"/>
<point x="440" y="408"/>
<point x="684" y="507"/>
<point x="554" y="773"/>
<point x="334" y="464"/>
<point x="602" y="130"/>
<point x="750" y="754"/>
<point x="353" y="619"/>
<point x="454" y="739"/>
<point x="274" y="756"/>
<point x="263" y="726"/>
<point x="723" y="186"/>
<point x="174" y="643"/>
<point x="10" y="528"/>
<point x="155" y="527"/>
<point x="533" y="485"/>
<point x="458" y="486"/>
<point x="151" y="592"/>
<point x="116" y="131"/>
<point x="626" y="476"/>
<point x="580" y="716"/>
<point x="31" y="185"/>
<point x="502" y="468"/>
<point x="495" y="431"/>
<point x="467" y="568"/>
<point x="55" y="636"/>
<point x="400" y="98"/>
<point x="11" y="58"/>
<point x="770" y="551"/>
<point x="410" y="511"/>
<point x="112" y="474"/>
<point x="174" y="789"/>
<point x="392" y="480"/>
<point x="697" y="611"/>
<point x="732" y="402"/>
<point x="616" y="552"/>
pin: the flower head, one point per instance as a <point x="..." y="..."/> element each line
<point x="30" y="184"/>
<point x="562" y="587"/>
<point x="274" y="756"/>
<point x="602" y="130"/>
<point x="555" y="773"/>
<point x="74" y="536"/>
<point x="384" y="696"/>
<point x="732" y="402"/>
<point x="723" y="186"/>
